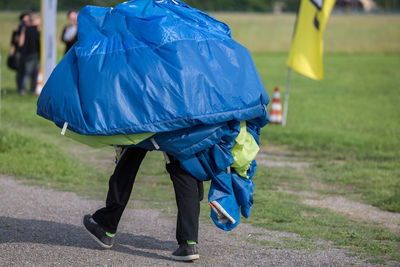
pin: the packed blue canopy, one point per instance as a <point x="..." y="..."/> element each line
<point x="162" y="67"/>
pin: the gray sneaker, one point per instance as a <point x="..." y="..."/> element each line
<point x="186" y="252"/>
<point x="97" y="233"/>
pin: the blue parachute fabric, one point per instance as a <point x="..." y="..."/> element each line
<point x="221" y="190"/>
<point x="205" y="152"/>
<point x="185" y="143"/>
<point x="169" y="69"/>
<point x="154" y="59"/>
<point x="243" y="188"/>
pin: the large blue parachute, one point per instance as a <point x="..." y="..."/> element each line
<point x="164" y="68"/>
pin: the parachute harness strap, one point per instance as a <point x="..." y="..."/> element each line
<point x="166" y="158"/>
<point x="156" y="146"/>
<point x="64" y="128"/>
<point x="266" y="111"/>
<point x="161" y="1"/>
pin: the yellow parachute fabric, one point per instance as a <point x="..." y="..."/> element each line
<point x="97" y="141"/>
<point x="244" y="151"/>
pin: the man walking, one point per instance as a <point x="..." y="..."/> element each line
<point x="102" y="225"/>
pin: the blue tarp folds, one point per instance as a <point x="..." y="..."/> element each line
<point x="166" y="68"/>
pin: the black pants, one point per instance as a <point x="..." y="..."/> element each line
<point x="188" y="194"/>
<point x="29" y="70"/>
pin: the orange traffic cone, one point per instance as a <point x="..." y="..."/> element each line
<point x="276" y="108"/>
<point x="39" y="83"/>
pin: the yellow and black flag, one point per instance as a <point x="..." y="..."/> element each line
<point x="306" y="53"/>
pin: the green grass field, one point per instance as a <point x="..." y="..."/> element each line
<point x="346" y="126"/>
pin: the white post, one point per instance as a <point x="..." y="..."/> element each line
<point x="48" y="37"/>
<point x="286" y="104"/>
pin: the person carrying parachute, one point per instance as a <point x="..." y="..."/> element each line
<point x="160" y="75"/>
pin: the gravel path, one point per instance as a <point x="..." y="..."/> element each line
<point x="43" y="228"/>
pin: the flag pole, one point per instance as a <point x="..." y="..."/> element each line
<point x="285" y="105"/>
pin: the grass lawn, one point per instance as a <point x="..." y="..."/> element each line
<point x="346" y="127"/>
<point x="349" y="122"/>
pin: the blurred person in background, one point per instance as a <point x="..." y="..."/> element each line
<point x="14" y="60"/>
<point x="29" y="42"/>
<point x="70" y="33"/>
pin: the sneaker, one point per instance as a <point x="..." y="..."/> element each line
<point x="186" y="252"/>
<point x="97" y="233"/>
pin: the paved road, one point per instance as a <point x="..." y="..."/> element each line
<point x="43" y="227"/>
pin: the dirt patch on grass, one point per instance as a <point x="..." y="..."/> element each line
<point x="271" y="158"/>
<point x="100" y="158"/>
<point x="358" y="211"/>
<point x="352" y="209"/>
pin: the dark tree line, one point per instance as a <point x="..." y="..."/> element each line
<point x="243" y="5"/>
<point x="62" y="4"/>
<point x="207" y="5"/>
